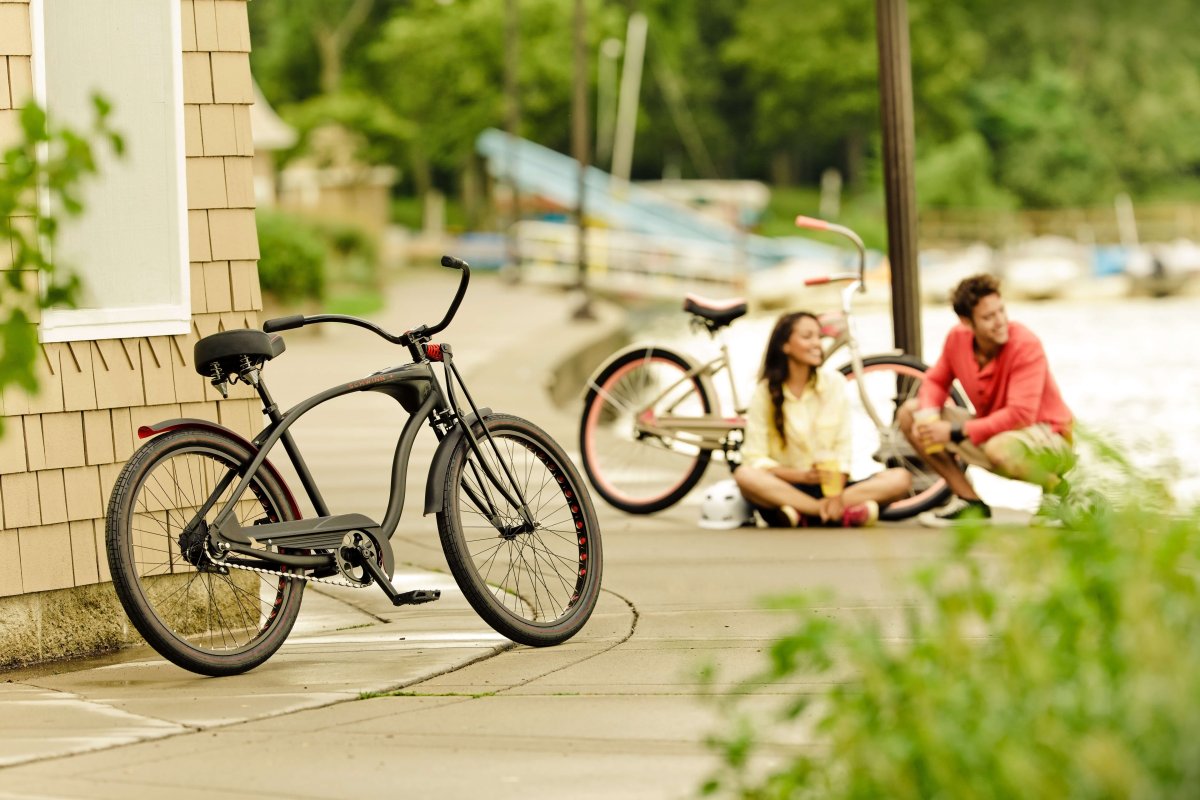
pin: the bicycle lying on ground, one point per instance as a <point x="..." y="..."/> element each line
<point x="209" y="555"/>
<point x="652" y="419"/>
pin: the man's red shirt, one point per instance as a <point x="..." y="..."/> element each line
<point x="1012" y="391"/>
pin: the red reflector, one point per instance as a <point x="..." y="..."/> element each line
<point x="433" y="351"/>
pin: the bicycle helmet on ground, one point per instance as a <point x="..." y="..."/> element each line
<point x="724" y="508"/>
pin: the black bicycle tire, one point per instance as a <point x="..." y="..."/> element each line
<point x="593" y="471"/>
<point x="935" y="499"/>
<point x="462" y="565"/>
<point x="119" y="547"/>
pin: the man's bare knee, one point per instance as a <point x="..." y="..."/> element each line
<point x="1011" y="458"/>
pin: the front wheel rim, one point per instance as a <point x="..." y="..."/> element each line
<point x="540" y="577"/>
<point x="890" y="448"/>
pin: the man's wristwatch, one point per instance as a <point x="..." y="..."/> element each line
<point x="956" y="432"/>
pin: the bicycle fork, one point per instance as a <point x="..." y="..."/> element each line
<point x="483" y="499"/>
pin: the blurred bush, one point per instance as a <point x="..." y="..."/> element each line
<point x="292" y="261"/>
<point x="1059" y="661"/>
<point x="353" y="256"/>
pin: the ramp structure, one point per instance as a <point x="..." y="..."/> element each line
<point x="631" y="210"/>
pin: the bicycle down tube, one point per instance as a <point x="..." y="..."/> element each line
<point x="667" y="425"/>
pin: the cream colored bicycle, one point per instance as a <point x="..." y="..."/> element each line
<point x="652" y="420"/>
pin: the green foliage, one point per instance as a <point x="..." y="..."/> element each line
<point x="959" y="175"/>
<point x="52" y="162"/>
<point x="292" y="264"/>
<point x="1046" y="662"/>
<point x="1028" y="103"/>
<point x="862" y="211"/>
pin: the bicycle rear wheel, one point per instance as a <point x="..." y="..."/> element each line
<point x="890" y="381"/>
<point x="636" y="471"/>
<point x="537" y="587"/>
<point x="204" y="619"/>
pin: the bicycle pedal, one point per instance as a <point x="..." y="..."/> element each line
<point x="416" y="597"/>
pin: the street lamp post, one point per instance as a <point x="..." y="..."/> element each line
<point x="895" y="89"/>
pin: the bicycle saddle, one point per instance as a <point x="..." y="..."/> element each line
<point x="717" y="312"/>
<point x="227" y="347"/>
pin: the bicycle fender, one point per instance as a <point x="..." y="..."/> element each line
<point x="593" y="379"/>
<point x="168" y="425"/>
<point x="435" y="485"/>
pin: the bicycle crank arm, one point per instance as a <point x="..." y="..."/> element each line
<point x="411" y="598"/>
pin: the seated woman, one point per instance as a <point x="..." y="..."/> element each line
<point x="798" y="416"/>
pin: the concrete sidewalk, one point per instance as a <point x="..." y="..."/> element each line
<point x="347" y="642"/>
<point x="614" y="713"/>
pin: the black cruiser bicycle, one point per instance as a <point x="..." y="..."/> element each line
<point x="209" y="554"/>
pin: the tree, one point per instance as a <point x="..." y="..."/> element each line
<point x="55" y="161"/>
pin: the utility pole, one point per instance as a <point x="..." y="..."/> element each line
<point x="627" y="102"/>
<point x="895" y="90"/>
<point x="512" y="120"/>
<point x="579" y="144"/>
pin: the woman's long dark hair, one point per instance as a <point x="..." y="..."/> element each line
<point x="775" y="363"/>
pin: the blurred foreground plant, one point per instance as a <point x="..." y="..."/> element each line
<point x="50" y="163"/>
<point x="1059" y="661"/>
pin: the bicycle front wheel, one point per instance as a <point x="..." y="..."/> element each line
<point x="535" y="585"/>
<point x="631" y="459"/>
<point x="205" y="619"/>
<point x="889" y="382"/>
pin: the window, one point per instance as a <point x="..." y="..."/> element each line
<point x="130" y="246"/>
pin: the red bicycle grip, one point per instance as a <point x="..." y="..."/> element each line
<point x="816" y="281"/>
<point x="812" y="223"/>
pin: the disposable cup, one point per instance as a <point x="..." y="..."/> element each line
<point x="832" y="479"/>
<point x="926" y="415"/>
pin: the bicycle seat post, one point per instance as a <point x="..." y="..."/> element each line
<point x="253" y="376"/>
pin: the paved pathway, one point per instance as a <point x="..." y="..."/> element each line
<point x="613" y="713"/>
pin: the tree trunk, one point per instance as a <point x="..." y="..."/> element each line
<point x="855" y="158"/>
<point x="782" y="173"/>
<point x="329" y="50"/>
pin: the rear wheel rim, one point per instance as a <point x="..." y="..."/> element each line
<point x="646" y="471"/>
<point x="214" y="614"/>
<point x="537" y="577"/>
<point x="874" y="451"/>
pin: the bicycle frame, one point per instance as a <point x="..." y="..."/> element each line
<point x="712" y="431"/>
<point x="416" y="388"/>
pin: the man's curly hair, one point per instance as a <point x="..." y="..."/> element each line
<point x="970" y="291"/>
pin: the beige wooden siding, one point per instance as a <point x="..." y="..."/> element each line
<point x="62" y="450"/>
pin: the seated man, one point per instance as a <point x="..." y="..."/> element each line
<point x="1022" y="427"/>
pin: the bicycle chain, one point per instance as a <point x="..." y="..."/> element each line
<point x="297" y="575"/>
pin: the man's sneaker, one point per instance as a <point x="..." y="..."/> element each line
<point x="861" y="515"/>
<point x="956" y="512"/>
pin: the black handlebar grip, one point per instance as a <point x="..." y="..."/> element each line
<point x="284" y="323"/>
<point x="453" y="263"/>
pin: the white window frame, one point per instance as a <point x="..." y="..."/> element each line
<point x="167" y="319"/>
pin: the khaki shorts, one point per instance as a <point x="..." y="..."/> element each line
<point x="1039" y="441"/>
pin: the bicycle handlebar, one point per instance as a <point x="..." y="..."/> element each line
<point x="845" y="276"/>
<point x="299" y="320"/>
<point x="814" y="224"/>
<point x="452" y="263"/>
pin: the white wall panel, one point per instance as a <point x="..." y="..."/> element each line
<point x="130" y="247"/>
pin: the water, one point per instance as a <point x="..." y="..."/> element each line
<point x="1129" y="369"/>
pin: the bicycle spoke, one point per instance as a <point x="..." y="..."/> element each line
<point x="533" y="574"/>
